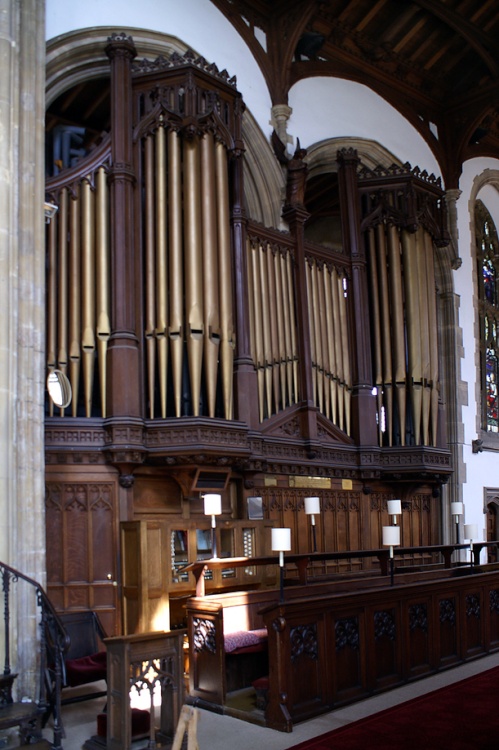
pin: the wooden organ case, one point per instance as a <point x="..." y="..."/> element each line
<point x="196" y="339"/>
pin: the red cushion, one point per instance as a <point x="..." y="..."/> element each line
<point x="245" y="639"/>
<point x="86" y="669"/>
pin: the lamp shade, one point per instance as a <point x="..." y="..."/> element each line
<point x="470" y="531"/>
<point x="456" y="509"/>
<point x="212" y="505"/>
<point x="312" y="505"/>
<point x="281" y="540"/>
<point x="395" y="507"/>
<point x="391" y="536"/>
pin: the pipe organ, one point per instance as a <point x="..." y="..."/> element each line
<point x="207" y="352"/>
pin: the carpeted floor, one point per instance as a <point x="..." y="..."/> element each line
<point x="464" y="716"/>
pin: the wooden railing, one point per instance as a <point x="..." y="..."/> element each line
<point x="304" y="563"/>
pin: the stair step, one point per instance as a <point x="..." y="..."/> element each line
<point x="16" y="714"/>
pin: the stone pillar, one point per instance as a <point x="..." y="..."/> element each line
<point x="22" y="327"/>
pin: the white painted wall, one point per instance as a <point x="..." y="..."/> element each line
<point x="482" y="469"/>
<point x="334" y="108"/>
<point x="196" y="22"/>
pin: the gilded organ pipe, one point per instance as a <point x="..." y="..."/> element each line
<point x="62" y="266"/>
<point x="227" y="342"/>
<point x="273" y="328"/>
<point x="385" y="324"/>
<point x="398" y="325"/>
<point x="52" y="300"/>
<point x="266" y="331"/>
<point x="432" y="327"/>
<point x="313" y="337"/>
<point x="150" y="276"/>
<point x="318" y="336"/>
<point x="292" y="318"/>
<point x="288" y="318"/>
<point x="281" y="336"/>
<point x="210" y="269"/>
<point x="193" y="268"/>
<point x="325" y="334"/>
<point x="176" y="328"/>
<point x="425" y="333"/>
<point x="161" y="266"/>
<point x="75" y="298"/>
<point x="412" y="301"/>
<point x="376" y="329"/>
<point x="332" y="334"/>
<point x="259" y="345"/>
<point x="339" y="353"/>
<point x="88" y="292"/>
<point x="102" y="280"/>
<point x="347" y="392"/>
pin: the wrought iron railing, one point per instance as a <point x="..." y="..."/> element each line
<point x="52" y="644"/>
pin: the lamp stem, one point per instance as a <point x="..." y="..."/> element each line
<point x="213" y="537"/>
<point x="281" y="575"/>
<point x="314" y="535"/>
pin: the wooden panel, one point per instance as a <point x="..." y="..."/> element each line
<point x="348" y="672"/>
<point x="417" y="624"/>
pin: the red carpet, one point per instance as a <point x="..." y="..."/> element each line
<point x="463" y="716"/>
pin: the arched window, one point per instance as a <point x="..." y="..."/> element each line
<point x="488" y="270"/>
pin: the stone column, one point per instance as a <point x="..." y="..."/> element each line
<point x="22" y="327"/>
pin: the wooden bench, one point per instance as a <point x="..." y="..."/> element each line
<point x="217" y="619"/>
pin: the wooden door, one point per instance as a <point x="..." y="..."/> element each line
<point x="492" y="531"/>
<point x="81" y="537"/>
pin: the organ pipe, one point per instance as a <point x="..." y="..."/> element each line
<point x="75" y="298"/>
<point x="52" y="301"/>
<point x="176" y="330"/>
<point x="227" y="342"/>
<point x="150" y="286"/>
<point x="102" y="281"/>
<point x="210" y="269"/>
<point x="161" y="267"/>
<point x="193" y="268"/>
<point x="88" y="292"/>
<point x="398" y="325"/>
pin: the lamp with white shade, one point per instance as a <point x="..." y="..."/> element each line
<point x="470" y="533"/>
<point x="213" y="508"/>
<point x="391" y="538"/>
<point x="281" y="542"/>
<point x="457" y="510"/>
<point x="394" y="509"/>
<point x="312" y="509"/>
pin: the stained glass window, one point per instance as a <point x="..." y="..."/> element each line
<point x="488" y="271"/>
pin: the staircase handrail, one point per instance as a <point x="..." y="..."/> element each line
<point x="54" y="643"/>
